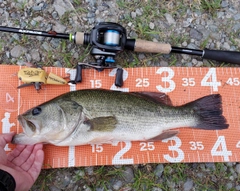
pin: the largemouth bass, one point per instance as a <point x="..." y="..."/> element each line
<point x="103" y="116"/>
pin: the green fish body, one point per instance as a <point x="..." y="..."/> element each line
<point x="104" y="116"/>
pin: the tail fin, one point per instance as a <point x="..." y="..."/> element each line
<point x="209" y="111"/>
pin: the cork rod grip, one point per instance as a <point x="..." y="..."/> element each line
<point x="151" y="47"/>
<point x="79" y="38"/>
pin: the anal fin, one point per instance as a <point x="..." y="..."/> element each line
<point x="164" y="135"/>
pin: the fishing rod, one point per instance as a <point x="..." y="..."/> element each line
<point x="107" y="39"/>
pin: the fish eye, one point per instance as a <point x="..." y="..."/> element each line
<point x="36" y="111"/>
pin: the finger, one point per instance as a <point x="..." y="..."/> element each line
<point x="23" y="155"/>
<point x="29" y="162"/>
<point x="5" y="138"/>
<point x="16" y="152"/>
<point x="35" y="169"/>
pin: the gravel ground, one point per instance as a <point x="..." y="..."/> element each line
<point x="197" y="24"/>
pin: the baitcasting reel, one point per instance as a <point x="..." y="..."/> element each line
<point x="106" y="39"/>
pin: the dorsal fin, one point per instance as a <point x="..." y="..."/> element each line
<point x="157" y="97"/>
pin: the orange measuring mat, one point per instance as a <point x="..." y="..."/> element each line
<point x="182" y="84"/>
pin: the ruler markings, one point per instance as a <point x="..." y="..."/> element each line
<point x="230" y="111"/>
<point x="223" y="71"/>
<point x="148" y="157"/>
<point x="59" y="161"/>
<point x="199" y="159"/>
<point x="191" y="70"/>
<point x="137" y="159"/>
<point x="200" y="71"/>
<point x="189" y="160"/>
<point x="53" y="163"/>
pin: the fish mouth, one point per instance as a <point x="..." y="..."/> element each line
<point x="28" y="126"/>
<point x="27" y="137"/>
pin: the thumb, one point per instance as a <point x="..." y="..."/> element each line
<point x="5" y="138"/>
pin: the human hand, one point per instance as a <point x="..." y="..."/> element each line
<point x="23" y="163"/>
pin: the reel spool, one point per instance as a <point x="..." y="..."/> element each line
<point x="107" y="39"/>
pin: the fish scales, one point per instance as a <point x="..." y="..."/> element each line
<point x="103" y="116"/>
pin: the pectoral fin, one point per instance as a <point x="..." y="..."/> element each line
<point x="102" y="123"/>
<point x="165" y="135"/>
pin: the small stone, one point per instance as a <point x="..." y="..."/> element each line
<point x="224" y="4"/>
<point x="194" y="61"/>
<point x="214" y="28"/>
<point x="199" y="64"/>
<point x="117" y="185"/>
<point x="58" y="64"/>
<point x="156" y="189"/>
<point x="46" y="46"/>
<point x="79" y="173"/>
<point x="59" y="28"/>
<point x="188" y="22"/>
<point x="188" y="185"/>
<point x="189" y="64"/>
<point x="8" y="54"/>
<point x="28" y="57"/>
<point x="220" y="14"/>
<point x="66" y="181"/>
<point x="100" y="189"/>
<point x="163" y="63"/>
<point x="37" y="8"/>
<point x="128" y="175"/>
<point x="90" y="170"/>
<point x="17" y="51"/>
<point x="238" y="168"/>
<point x="141" y="56"/>
<point x="54" y="188"/>
<point x="170" y="19"/>
<point x="210" y="166"/>
<point x="133" y="15"/>
<point x="129" y="24"/>
<point x="186" y="56"/>
<point x="54" y="14"/>
<point x="55" y="42"/>
<point x="133" y="34"/>
<point x="61" y="7"/>
<point x="151" y="25"/>
<point x="236" y="17"/>
<point x="192" y="46"/>
<point x="226" y="46"/>
<point x="21" y="63"/>
<point x="237" y="187"/>
<point x="159" y="170"/>
<point x="229" y="185"/>
<point x="15" y="36"/>
<point x="237" y="41"/>
<point x="236" y="27"/>
<point x="33" y="22"/>
<point x="35" y="55"/>
<point x="195" y="34"/>
<point x="139" y="12"/>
